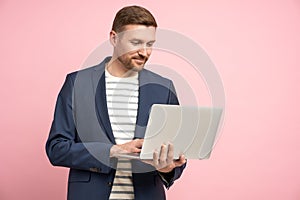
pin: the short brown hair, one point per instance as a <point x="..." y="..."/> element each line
<point x="133" y="15"/>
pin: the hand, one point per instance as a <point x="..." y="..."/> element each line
<point x="164" y="161"/>
<point x="133" y="146"/>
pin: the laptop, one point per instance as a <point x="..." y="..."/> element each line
<point x="192" y="130"/>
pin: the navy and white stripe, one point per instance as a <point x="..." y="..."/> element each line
<point x="122" y="103"/>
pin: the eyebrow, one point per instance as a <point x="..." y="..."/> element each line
<point x="136" y="39"/>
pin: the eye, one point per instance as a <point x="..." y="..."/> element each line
<point x="150" y="44"/>
<point x="135" y="42"/>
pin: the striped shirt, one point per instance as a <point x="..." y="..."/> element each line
<point x="122" y="103"/>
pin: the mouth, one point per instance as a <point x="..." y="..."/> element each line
<point x="139" y="61"/>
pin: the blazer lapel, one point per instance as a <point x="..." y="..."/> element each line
<point x="143" y="106"/>
<point x="98" y="78"/>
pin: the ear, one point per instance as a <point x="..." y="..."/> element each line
<point x="113" y="38"/>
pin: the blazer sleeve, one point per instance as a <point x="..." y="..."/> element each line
<point x="169" y="178"/>
<point x="63" y="146"/>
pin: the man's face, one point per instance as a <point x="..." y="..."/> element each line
<point x="133" y="46"/>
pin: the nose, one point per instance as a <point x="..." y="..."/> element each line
<point x="142" y="51"/>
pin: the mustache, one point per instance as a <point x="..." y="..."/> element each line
<point x="140" y="57"/>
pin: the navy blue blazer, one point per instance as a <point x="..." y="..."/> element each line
<point x="81" y="135"/>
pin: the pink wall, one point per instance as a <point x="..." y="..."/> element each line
<point x="255" y="46"/>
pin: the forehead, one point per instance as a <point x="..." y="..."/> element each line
<point x="140" y="32"/>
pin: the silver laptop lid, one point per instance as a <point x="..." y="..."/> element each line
<point x="192" y="130"/>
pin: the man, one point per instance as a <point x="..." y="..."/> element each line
<point x="102" y="111"/>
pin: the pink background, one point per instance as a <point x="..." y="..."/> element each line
<point x="255" y="46"/>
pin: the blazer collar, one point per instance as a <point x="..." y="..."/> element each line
<point x="143" y="107"/>
<point x="98" y="79"/>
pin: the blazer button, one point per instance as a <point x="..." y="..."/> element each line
<point x="98" y="170"/>
<point x="109" y="184"/>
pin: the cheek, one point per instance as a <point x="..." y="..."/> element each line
<point x="149" y="51"/>
<point x="127" y="47"/>
<point x="123" y="49"/>
<point x="129" y="55"/>
<point x="132" y="54"/>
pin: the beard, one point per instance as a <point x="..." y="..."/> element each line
<point x="134" y="63"/>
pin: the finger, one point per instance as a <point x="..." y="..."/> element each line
<point x="180" y="161"/>
<point x="136" y="150"/>
<point x="155" y="158"/>
<point x="163" y="156"/>
<point x="131" y="147"/>
<point x="182" y="158"/>
<point x="163" y="153"/>
<point x="170" y="155"/>
<point x="138" y="143"/>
